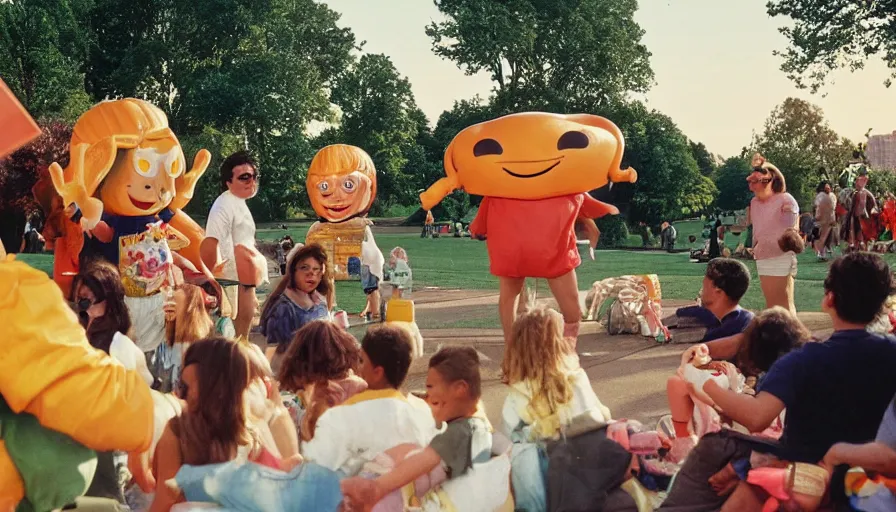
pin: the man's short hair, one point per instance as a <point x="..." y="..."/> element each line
<point x="235" y="160"/>
<point x="389" y="347"/>
<point x="861" y="282"/>
<point x="729" y="275"/>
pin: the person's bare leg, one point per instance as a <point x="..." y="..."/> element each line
<point x="680" y="404"/>
<point x="373" y="301"/>
<point x="778" y="291"/>
<point x="724" y="481"/>
<point x="250" y="274"/>
<point x="510" y="288"/>
<point x="566" y="292"/>
<point x="523" y="303"/>
<point x="745" y="498"/>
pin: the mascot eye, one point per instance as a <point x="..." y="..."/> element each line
<point x="573" y="140"/>
<point x="146" y="162"/>
<point x="487" y="147"/>
<point x="174" y="163"/>
<point x="349" y="185"/>
<point x="324" y="187"/>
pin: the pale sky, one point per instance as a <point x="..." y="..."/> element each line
<point x="716" y="76"/>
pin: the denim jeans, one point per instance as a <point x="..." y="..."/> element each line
<point x="529" y="465"/>
<point x="240" y="485"/>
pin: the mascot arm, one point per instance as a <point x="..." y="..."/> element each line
<point x="594" y="209"/>
<point x="194" y="233"/>
<point x="48" y="369"/>
<point x="437" y="192"/>
<point x="186" y="183"/>
<point x="479" y="226"/>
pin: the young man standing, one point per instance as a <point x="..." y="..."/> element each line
<point x="229" y="247"/>
<point x="834" y="391"/>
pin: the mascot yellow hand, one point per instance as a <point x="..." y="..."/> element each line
<point x="186" y="183"/>
<point x="75" y="191"/>
<point x="48" y="369"/>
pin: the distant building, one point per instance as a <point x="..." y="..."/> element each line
<point x="881" y="151"/>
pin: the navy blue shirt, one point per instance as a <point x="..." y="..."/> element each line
<point x="122" y="226"/>
<point x="834" y="391"/>
<point x="733" y="323"/>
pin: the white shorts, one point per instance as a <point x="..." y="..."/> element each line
<point x="779" y="266"/>
<point x="147" y="321"/>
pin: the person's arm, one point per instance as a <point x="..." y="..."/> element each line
<point x="871" y="457"/>
<point x="217" y="228"/>
<point x="756" y="413"/>
<point x="369" y="492"/>
<point x="167" y="462"/>
<point x="725" y="348"/>
<point x="478" y="228"/>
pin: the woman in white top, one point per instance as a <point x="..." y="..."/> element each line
<point x="99" y="298"/>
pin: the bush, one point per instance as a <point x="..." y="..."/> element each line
<point x="613" y="231"/>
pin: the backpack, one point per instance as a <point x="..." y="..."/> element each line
<point x="621" y="319"/>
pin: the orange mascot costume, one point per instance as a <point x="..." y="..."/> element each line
<point x="341" y="185"/>
<point x="534" y="171"/>
<point x="125" y="184"/>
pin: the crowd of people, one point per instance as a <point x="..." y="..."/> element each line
<point x="762" y="414"/>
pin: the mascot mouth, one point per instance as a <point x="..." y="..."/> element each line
<point x="337" y="209"/>
<point x="535" y="175"/>
<point x="140" y="204"/>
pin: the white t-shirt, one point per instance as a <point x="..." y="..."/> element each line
<point x="371" y="255"/>
<point x="230" y="223"/>
<point x="125" y="352"/>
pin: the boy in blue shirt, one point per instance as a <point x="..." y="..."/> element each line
<point x="834" y="391"/>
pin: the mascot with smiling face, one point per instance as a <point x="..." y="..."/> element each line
<point x="125" y="185"/>
<point x="534" y="171"/>
<point x="341" y="185"/>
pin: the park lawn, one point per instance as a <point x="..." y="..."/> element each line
<point x="462" y="263"/>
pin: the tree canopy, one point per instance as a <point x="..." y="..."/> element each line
<point x="834" y="34"/>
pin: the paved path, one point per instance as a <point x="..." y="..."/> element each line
<point x="628" y="372"/>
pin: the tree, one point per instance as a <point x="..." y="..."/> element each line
<point x="834" y="34"/>
<point x="257" y="70"/>
<point x="380" y="115"/>
<point x="706" y="162"/>
<point x="42" y="47"/>
<point x="21" y="170"/>
<point x="547" y="54"/>
<point x="798" y="140"/>
<point x="731" y="180"/>
<point x="669" y="184"/>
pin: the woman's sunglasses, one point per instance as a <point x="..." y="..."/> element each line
<point x="84" y="304"/>
<point x="249" y="176"/>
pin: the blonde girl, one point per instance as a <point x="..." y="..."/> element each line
<point x="548" y="389"/>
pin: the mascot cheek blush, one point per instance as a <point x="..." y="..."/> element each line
<point x="534" y="171"/>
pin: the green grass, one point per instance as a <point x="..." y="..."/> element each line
<point x="462" y="263"/>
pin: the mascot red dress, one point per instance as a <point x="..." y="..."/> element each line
<point x="534" y="171"/>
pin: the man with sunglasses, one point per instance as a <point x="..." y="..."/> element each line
<point x="229" y="247"/>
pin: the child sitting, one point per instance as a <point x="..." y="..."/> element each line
<point x="377" y="419"/>
<point x="453" y="391"/>
<point x="770" y="335"/>
<point x="548" y="389"/>
<point x="319" y="366"/>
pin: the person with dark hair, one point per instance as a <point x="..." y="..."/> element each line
<point x="99" y="298"/>
<point x="834" y="391"/>
<point x="454" y="387"/>
<point x="229" y="247"/>
<point x="321" y="366"/>
<point x="302" y="295"/>
<point x="375" y="420"/>
<point x="725" y="283"/>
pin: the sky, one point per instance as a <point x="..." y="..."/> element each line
<point x="716" y="75"/>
